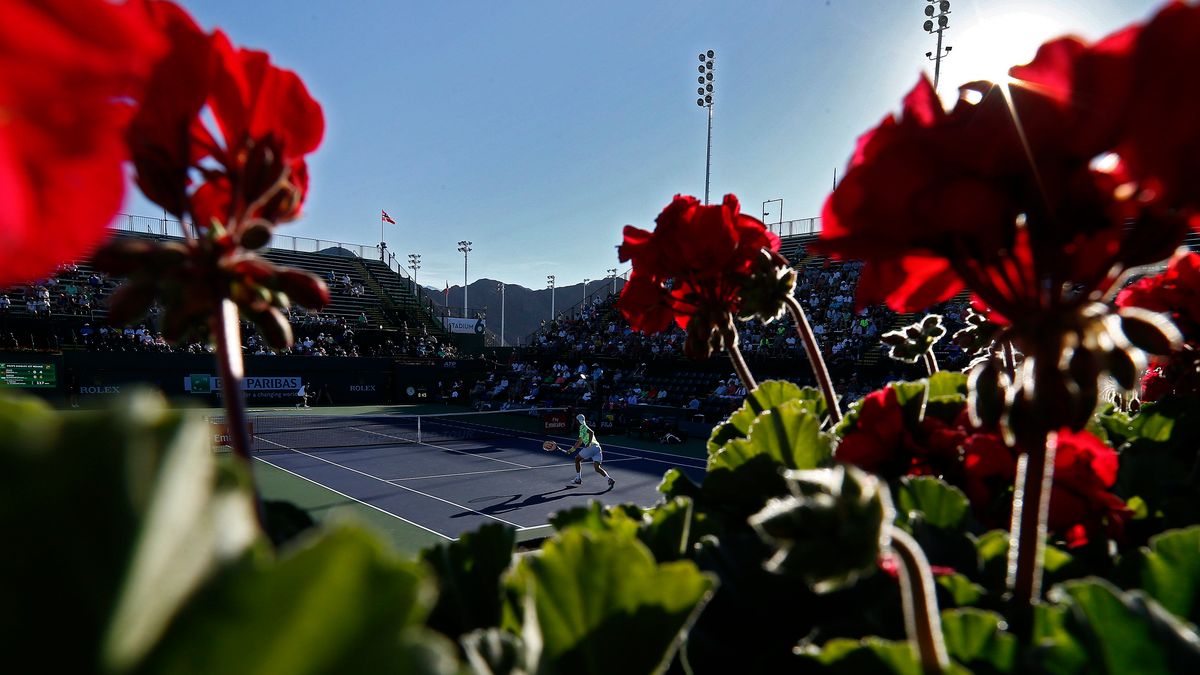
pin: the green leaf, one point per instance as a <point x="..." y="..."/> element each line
<point x="342" y="603"/>
<point x="942" y="504"/>
<point x="947" y="385"/>
<point x="1117" y="425"/>
<point x="992" y="547"/>
<point x="912" y="397"/>
<point x="962" y="591"/>
<point x="123" y="511"/>
<point x="1169" y="571"/>
<point x="675" y="483"/>
<point x="768" y="395"/>
<point x="745" y="472"/>
<point x="828" y="532"/>
<point x="1053" y="648"/>
<point x="870" y="655"/>
<point x="1138" y="506"/>
<point x="1153" y="425"/>
<point x="789" y="434"/>
<point x="603" y="605"/>
<point x="596" y="517"/>
<point x="670" y="530"/>
<point x="469" y="579"/>
<point x="993" y="553"/>
<point x="1127" y="632"/>
<point x="977" y="639"/>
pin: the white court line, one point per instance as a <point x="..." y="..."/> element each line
<point x="532" y="468"/>
<point x="439" y="447"/>
<point x="381" y="480"/>
<point x="660" y="461"/>
<point x="337" y="492"/>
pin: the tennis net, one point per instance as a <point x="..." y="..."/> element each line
<point x="306" y="431"/>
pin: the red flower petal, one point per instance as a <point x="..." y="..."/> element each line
<point x="645" y="304"/>
<point x="65" y="68"/>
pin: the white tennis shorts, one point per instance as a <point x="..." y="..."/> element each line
<point x="592" y="452"/>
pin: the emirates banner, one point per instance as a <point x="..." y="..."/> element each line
<point x="556" y="422"/>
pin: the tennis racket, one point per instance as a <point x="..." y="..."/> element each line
<point x="550" y="446"/>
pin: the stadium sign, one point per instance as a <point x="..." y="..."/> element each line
<point x="208" y="384"/>
<point x="476" y="326"/>
<point x="220" y="433"/>
<point x="555" y="422"/>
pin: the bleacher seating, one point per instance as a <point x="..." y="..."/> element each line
<point x="386" y="303"/>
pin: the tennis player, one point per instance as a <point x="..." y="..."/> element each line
<point x="591" y="450"/>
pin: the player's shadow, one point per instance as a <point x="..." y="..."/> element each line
<point x="515" y="502"/>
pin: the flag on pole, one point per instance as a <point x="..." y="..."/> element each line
<point x="447" y="291"/>
<point x="386" y="218"/>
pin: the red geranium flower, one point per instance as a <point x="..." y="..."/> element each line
<point x="67" y="70"/>
<point x="882" y="441"/>
<point x="266" y="123"/>
<point x="989" y="469"/>
<point x="1155" y="383"/>
<point x="936" y="202"/>
<point x="1081" y="507"/>
<point x="1176" y="292"/>
<point x="1019" y="195"/>
<point x="1160" y="137"/>
<point x="876" y="442"/>
<point x="691" y="269"/>
<point x="237" y="180"/>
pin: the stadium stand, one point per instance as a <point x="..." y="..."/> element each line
<point x="373" y="311"/>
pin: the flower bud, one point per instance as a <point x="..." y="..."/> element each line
<point x="256" y="235"/>
<point x="764" y="293"/>
<point x="275" y="328"/>
<point x="122" y="256"/>
<point x="252" y="269"/>
<point x="303" y="288"/>
<point x="129" y="302"/>
<point x="1149" y="331"/>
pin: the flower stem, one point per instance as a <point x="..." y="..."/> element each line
<point x="729" y="335"/>
<point x="1010" y="360"/>
<point x="917" y="591"/>
<point x="820" y="371"/>
<point x="226" y="333"/>
<point x="931" y="364"/>
<point x="1027" y="535"/>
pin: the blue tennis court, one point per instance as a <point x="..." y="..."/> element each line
<point x="450" y="482"/>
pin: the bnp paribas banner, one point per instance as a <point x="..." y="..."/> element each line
<point x="206" y="384"/>
<point x="454" y="325"/>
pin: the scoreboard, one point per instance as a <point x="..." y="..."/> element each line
<point x="28" y="375"/>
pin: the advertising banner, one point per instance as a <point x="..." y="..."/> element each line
<point x="220" y="433"/>
<point x="476" y="326"/>
<point x="556" y="422"/>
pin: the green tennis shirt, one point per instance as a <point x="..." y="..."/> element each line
<point x="586" y="437"/>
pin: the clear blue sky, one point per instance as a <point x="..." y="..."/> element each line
<point x="537" y="129"/>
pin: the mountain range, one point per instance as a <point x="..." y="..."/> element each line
<point x="524" y="309"/>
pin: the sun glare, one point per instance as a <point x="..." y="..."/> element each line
<point x="987" y="46"/>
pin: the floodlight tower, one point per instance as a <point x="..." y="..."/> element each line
<point x="705" y="100"/>
<point x="772" y="201"/>
<point x="550" y="285"/>
<point x="500" y="287"/>
<point x="584" y="303"/>
<point x="612" y="274"/>
<point x="938" y="21"/>
<point x="464" y="247"/>
<point x="414" y="264"/>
